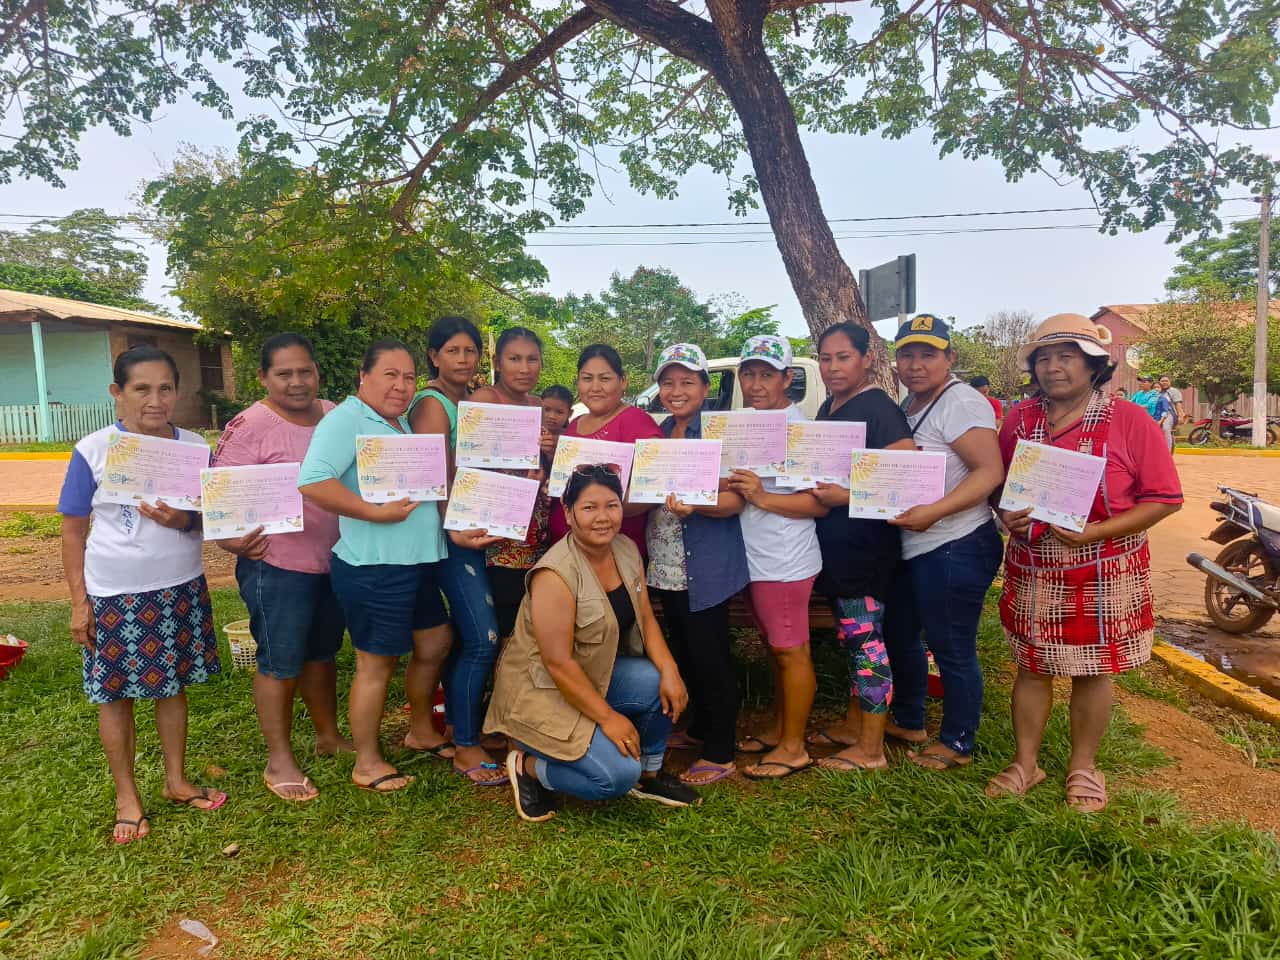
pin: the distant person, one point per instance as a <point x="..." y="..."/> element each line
<point x="1147" y="396"/>
<point x="1120" y="393"/>
<point x="983" y="386"/>
<point x="1173" y="412"/>
<point x="557" y="408"/>
<point x="139" y="601"/>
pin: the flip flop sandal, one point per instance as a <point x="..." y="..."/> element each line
<point x="948" y="763"/>
<point x="763" y="746"/>
<point x="682" y="741"/>
<point x="823" y="738"/>
<point x="501" y="781"/>
<point x="306" y="784"/>
<point x="904" y="742"/>
<point x="1012" y="782"/>
<point x="372" y="785"/>
<point x="437" y="751"/>
<point x="790" y="768"/>
<point x="720" y="774"/>
<point x="1086" y="790"/>
<point x="202" y="795"/>
<point x="136" y="824"/>
<point x="845" y="765"/>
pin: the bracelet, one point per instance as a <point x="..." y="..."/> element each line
<point x="191" y="522"/>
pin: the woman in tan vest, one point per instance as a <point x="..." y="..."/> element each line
<point x="586" y="685"/>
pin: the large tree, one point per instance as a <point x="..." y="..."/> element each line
<point x="84" y="255"/>
<point x="1227" y="264"/>
<point x="501" y="110"/>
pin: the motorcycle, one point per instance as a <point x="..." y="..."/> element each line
<point x="1231" y="426"/>
<point x="1242" y="591"/>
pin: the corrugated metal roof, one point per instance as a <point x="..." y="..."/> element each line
<point x="16" y="302"/>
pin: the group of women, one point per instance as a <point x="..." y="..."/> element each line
<point x="590" y="676"/>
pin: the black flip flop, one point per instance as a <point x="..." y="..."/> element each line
<point x="904" y="742"/>
<point x="372" y="785"/>
<point x="823" y="738"/>
<point x="846" y="765"/>
<point x="765" y="746"/>
<point x="202" y="795"/>
<point x="948" y="763"/>
<point x="437" y="751"/>
<point x="136" y="824"/>
<point x="789" y="767"/>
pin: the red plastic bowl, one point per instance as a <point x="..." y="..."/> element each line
<point x="11" y="655"/>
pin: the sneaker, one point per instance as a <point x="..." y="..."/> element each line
<point x="534" y="802"/>
<point x="666" y="788"/>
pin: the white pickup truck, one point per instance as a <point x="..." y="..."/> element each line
<point x="806" y="389"/>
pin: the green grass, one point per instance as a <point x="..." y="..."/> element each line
<point x="48" y="525"/>
<point x="55" y="447"/>
<point x="907" y="864"/>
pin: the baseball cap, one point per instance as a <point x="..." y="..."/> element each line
<point x="924" y="328"/>
<point x="687" y="355"/>
<point x="775" y="351"/>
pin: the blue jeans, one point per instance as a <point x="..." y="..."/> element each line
<point x="940" y="594"/>
<point x="603" y="773"/>
<point x="466" y="671"/>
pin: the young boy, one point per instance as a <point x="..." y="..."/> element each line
<point x="557" y="405"/>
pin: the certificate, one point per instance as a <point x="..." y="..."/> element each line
<point x="498" y="503"/>
<point x="818" y="451"/>
<point x="885" y="483"/>
<point x="409" y="465"/>
<point x="498" y="435"/>
<point x="1058" y="485"/>
<point x="236" y="500"/>
<point x="752" y="440"/>
<point x="572" y="451"/>
<point x="144" y="469"/>
<point x="688" y="468"/>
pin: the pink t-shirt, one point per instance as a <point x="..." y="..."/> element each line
<point x="259" y="435"/>
<point x="1139" y="466"/>
<point x="630" y="425"/>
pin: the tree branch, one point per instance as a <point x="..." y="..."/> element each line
<point x="20" y="18"/>
<point x="664" y="23"/>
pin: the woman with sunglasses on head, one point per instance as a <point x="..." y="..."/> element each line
<point x="385" y="566"/>
<point x="517" y="365"/>
<point x="586" y="685"/>
<point x="859" y="556"/>
<point x="602" y="387"/>
<point x="697" y="563"/>
<point x="453" y="355"/>
<point x="950" y="549"/>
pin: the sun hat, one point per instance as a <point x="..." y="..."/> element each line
<point x="924" y="328"/>
<point x="1090" y="337"/>
<point x="775" y="351"/>
<point x="687" y="355"/>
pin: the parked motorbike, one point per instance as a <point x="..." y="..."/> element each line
<point x="1242" y="591"/>
<point x="1231" y="426"/>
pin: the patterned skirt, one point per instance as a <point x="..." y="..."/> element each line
<point x="149" y="646"/>
<point x="1078" y="611"/>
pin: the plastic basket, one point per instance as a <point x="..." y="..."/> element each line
<point x="12" y="650"/>
<point x="244" y="649"/>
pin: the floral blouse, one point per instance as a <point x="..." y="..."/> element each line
<point x="664" y="536"/>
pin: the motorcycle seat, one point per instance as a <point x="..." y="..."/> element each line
<point x="1268" y="516"/>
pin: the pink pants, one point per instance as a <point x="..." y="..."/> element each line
<point x="781" y="611"/>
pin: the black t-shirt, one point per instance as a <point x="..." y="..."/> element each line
<point x="859" y="557"/>
<point x="624" y="611"/>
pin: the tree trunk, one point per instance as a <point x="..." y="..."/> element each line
<point x="822" y="281"/>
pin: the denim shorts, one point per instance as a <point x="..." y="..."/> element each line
<point x="385" y="603"/>
<point x="294" y="617"/>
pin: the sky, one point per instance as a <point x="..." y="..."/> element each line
<point x="968" y="276"/>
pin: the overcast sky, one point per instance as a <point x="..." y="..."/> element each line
<point x="968" y="275"/>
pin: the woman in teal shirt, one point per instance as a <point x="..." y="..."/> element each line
<point x="385" y="565"/>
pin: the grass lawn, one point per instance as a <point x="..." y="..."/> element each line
<point x="908" y="863"/>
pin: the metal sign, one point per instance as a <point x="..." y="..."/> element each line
<point x="889" y="290"/>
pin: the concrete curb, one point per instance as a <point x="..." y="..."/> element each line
<point x="1224" y="452"/>
<point x="30" y="507"/>
<point x="1217" y="686"/>
<point x="51" y="455"/>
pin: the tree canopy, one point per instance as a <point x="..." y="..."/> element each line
<point x="1226" y="264"/>
<point x="473" y="116"/>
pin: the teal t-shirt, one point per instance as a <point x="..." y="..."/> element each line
<point x="332" y="455"/>
<point x="450" y="408"/>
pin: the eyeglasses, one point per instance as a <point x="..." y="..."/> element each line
<point x="597" y="469"/>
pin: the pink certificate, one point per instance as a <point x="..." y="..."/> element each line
<point x="752" y="440"/>
<point x="495" y="502"/>
<point x="391" y="467"/>
<point x="146" y="469"/>
<point x="498" y="436"/>
<point x="688" y="468"/>
<point x="885" y="483"/>
<point x="818" y="451"/>
<point x="572" y="451"/>
<point x="1058" y="485"/>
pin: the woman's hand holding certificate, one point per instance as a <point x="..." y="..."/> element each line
<point x="1058" y="485"/>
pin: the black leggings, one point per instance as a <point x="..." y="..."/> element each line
<point x="506" y="585"/>
<point x="700" y="643"/>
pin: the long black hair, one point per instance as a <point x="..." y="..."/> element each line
<point x="282" y="341"/>
<point x="142" y="353"/>
<point x="857" y="335"/>
<point x="507" y="336"/>
<point x="605" y="353"/>
<point x="444" y="330"/>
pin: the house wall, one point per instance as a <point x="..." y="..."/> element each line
<point x="191" y="411"/>
<point x="1124" y="335"/>
<point x="77" y="365"/>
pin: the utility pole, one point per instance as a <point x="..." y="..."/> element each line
<point x="1260" y="334"/>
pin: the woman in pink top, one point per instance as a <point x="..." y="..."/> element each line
<point x="602" y="386"/>
<point x="284" y="579"/>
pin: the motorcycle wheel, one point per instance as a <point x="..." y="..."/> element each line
<point x="1228" y="608"/>
<point x="1198" y="437"/>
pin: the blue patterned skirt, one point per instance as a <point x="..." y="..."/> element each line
<point x="149" y="646"/>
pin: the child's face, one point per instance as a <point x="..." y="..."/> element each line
<point x="555" y="414"/>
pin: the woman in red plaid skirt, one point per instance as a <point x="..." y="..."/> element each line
<point x="1074" y="604"/>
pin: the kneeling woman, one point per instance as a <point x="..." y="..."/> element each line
<point x="591" y="691"/>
